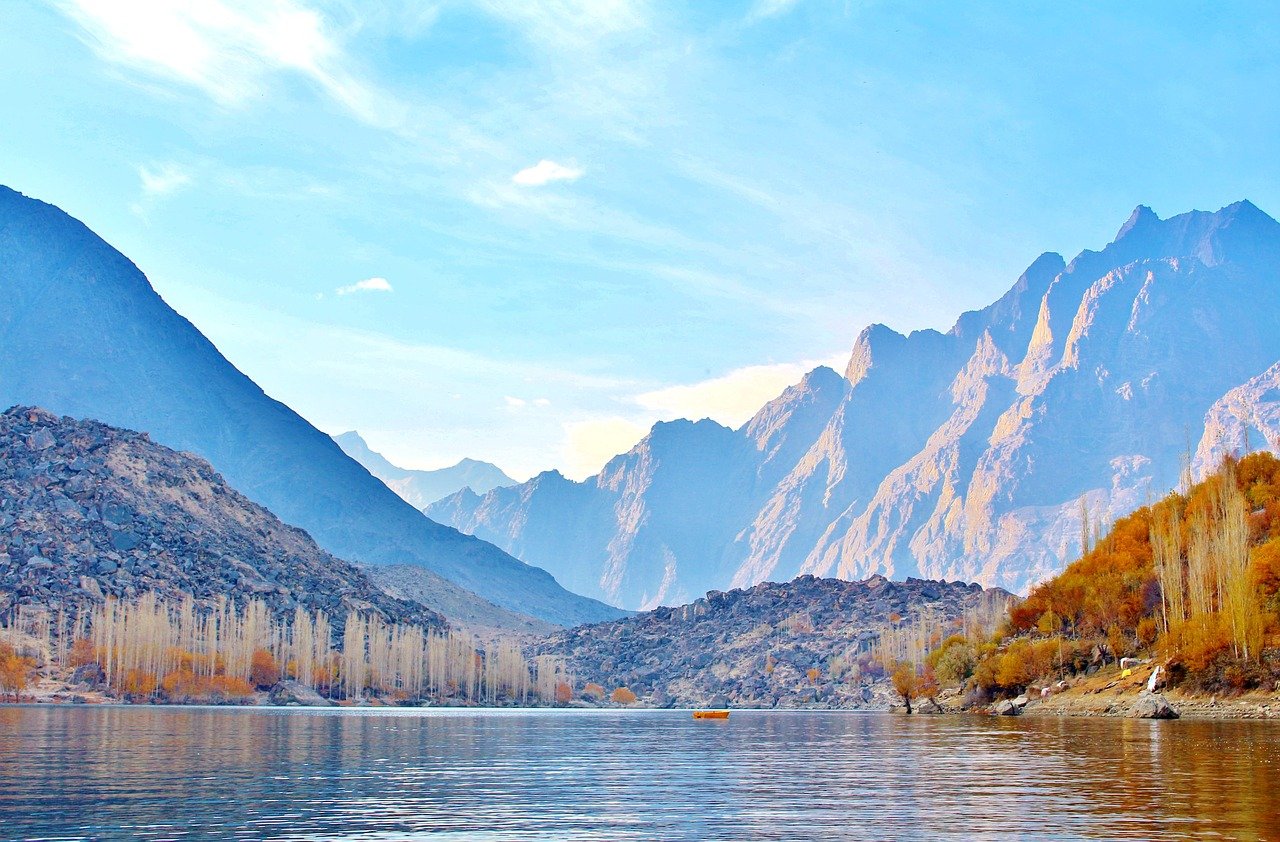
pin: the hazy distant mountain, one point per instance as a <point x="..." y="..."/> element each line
<point x="421" y="488"/>
<point x="82" y="333"/>
<point x="958" y="455"/>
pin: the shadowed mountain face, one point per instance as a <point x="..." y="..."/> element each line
<point x="82" y="333"/>
<point x="422" y="488"/>
<point x="959" y="455"/>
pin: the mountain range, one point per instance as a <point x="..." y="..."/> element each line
<point x="978" y="454"/>
<point x="83" y="334"/>
<point x="422" y="488"/>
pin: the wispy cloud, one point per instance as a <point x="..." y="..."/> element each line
<point x="764" y="9"/>
<point x="228" y="48"/>
<point x="367" y="285"/>
<point x="162" y="179"/>
<point x="569" y="24"/>
<point x="545" y="172"/>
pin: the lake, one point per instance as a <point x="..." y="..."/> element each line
<point x="165" y="773"/>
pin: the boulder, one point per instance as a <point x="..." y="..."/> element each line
<point x="293" y="693"/>
<point x="1152" y="706"/>
<point x="89" y="674"/>
<point x="1020" y="701"/>
<point x="1006" y="707"/>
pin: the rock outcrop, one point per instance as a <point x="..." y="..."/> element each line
<point x="89" y="511"/>
<point x="757" y="647"/>
<point x="966" y="455"/>
<point x="1152" y="706"/>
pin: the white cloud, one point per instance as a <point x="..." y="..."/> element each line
<point x="589" y="444"/>
<point x="515" y="403"/>
<point x="162" y="179"/>
<point x="545" y="172"/>
<point x="733" y="398"/>
<point x="227" y="48"/>
<point x="367" y="285"/>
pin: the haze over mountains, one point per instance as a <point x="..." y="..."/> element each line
<point x="422" y="488"/>
<point x="82" y="333"/>
<point x="958" y="455"/>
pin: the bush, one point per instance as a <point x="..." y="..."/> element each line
<point x="263" y="671"/>
<point x="186" y="686"/>
<point x="81" y="653"/>
<point x="623" y="696"/>
<point x="15" y="671"/>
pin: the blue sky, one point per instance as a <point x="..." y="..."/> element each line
<point x="523" y="230"/>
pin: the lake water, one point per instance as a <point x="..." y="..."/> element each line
<point x="166" y="773"/>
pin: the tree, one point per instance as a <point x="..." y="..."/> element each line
<point x="15" y="671"/>
<point x="263" y="671"/>
<point x="623" y="696"/>
<point x="906" y="682"/>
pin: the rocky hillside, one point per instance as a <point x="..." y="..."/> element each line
<point x="88" y="510"/>
<point x="422" y="488"/>
<point x="755" y="647"/>
<point x="82" y="333"/>
<point x="957" y="455"/>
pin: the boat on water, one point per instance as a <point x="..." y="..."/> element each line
<point x="711" y="714"/>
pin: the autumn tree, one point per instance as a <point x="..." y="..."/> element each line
<point x="623" y="696"/>
<point x="263" y="671"/>
<point x="906" y="682"/>
<point x="15" y="671"/>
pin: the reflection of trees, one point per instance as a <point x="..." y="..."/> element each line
<point x="160" y="771"/>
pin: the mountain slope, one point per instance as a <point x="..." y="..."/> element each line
<point x="790" y="644"/>
<point x="422" y="488"/>
<point x="84" y="334"/>
<point x="89" y="511"/>
<point x="958" y="455"/>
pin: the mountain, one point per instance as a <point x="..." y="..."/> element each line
<point x="968" y="455"/>
<point x="89" y="511"/>
<point x="82" y="333"/>
<point x="806" y="643"/>
<point x="422" y="488"/>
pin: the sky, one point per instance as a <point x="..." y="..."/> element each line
<point x="525" y="230"/>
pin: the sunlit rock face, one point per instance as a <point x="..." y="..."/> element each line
<point x="957" y="455"/>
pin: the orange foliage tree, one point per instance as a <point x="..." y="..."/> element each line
<point x="623" y="696"/>
<point x="263" y="671"/>
<point x="15" y="671"/>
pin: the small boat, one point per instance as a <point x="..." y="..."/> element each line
<point x="711" y="714"/>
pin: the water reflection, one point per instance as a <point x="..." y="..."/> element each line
<point x="163" y="773"/>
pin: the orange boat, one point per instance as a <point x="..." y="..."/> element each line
<point x="711" y="714"/>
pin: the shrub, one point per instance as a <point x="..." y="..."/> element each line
<point x="263" y="671"/>
<point x="81" y="653"/>
<point x="623" y="696"/>
<point x="15" y="671"/>
<point x="593" y="690"/>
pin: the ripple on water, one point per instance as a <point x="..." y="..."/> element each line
<point x="166" y="773"/>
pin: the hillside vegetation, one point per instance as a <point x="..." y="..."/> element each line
<point x="1192" y="581"/>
